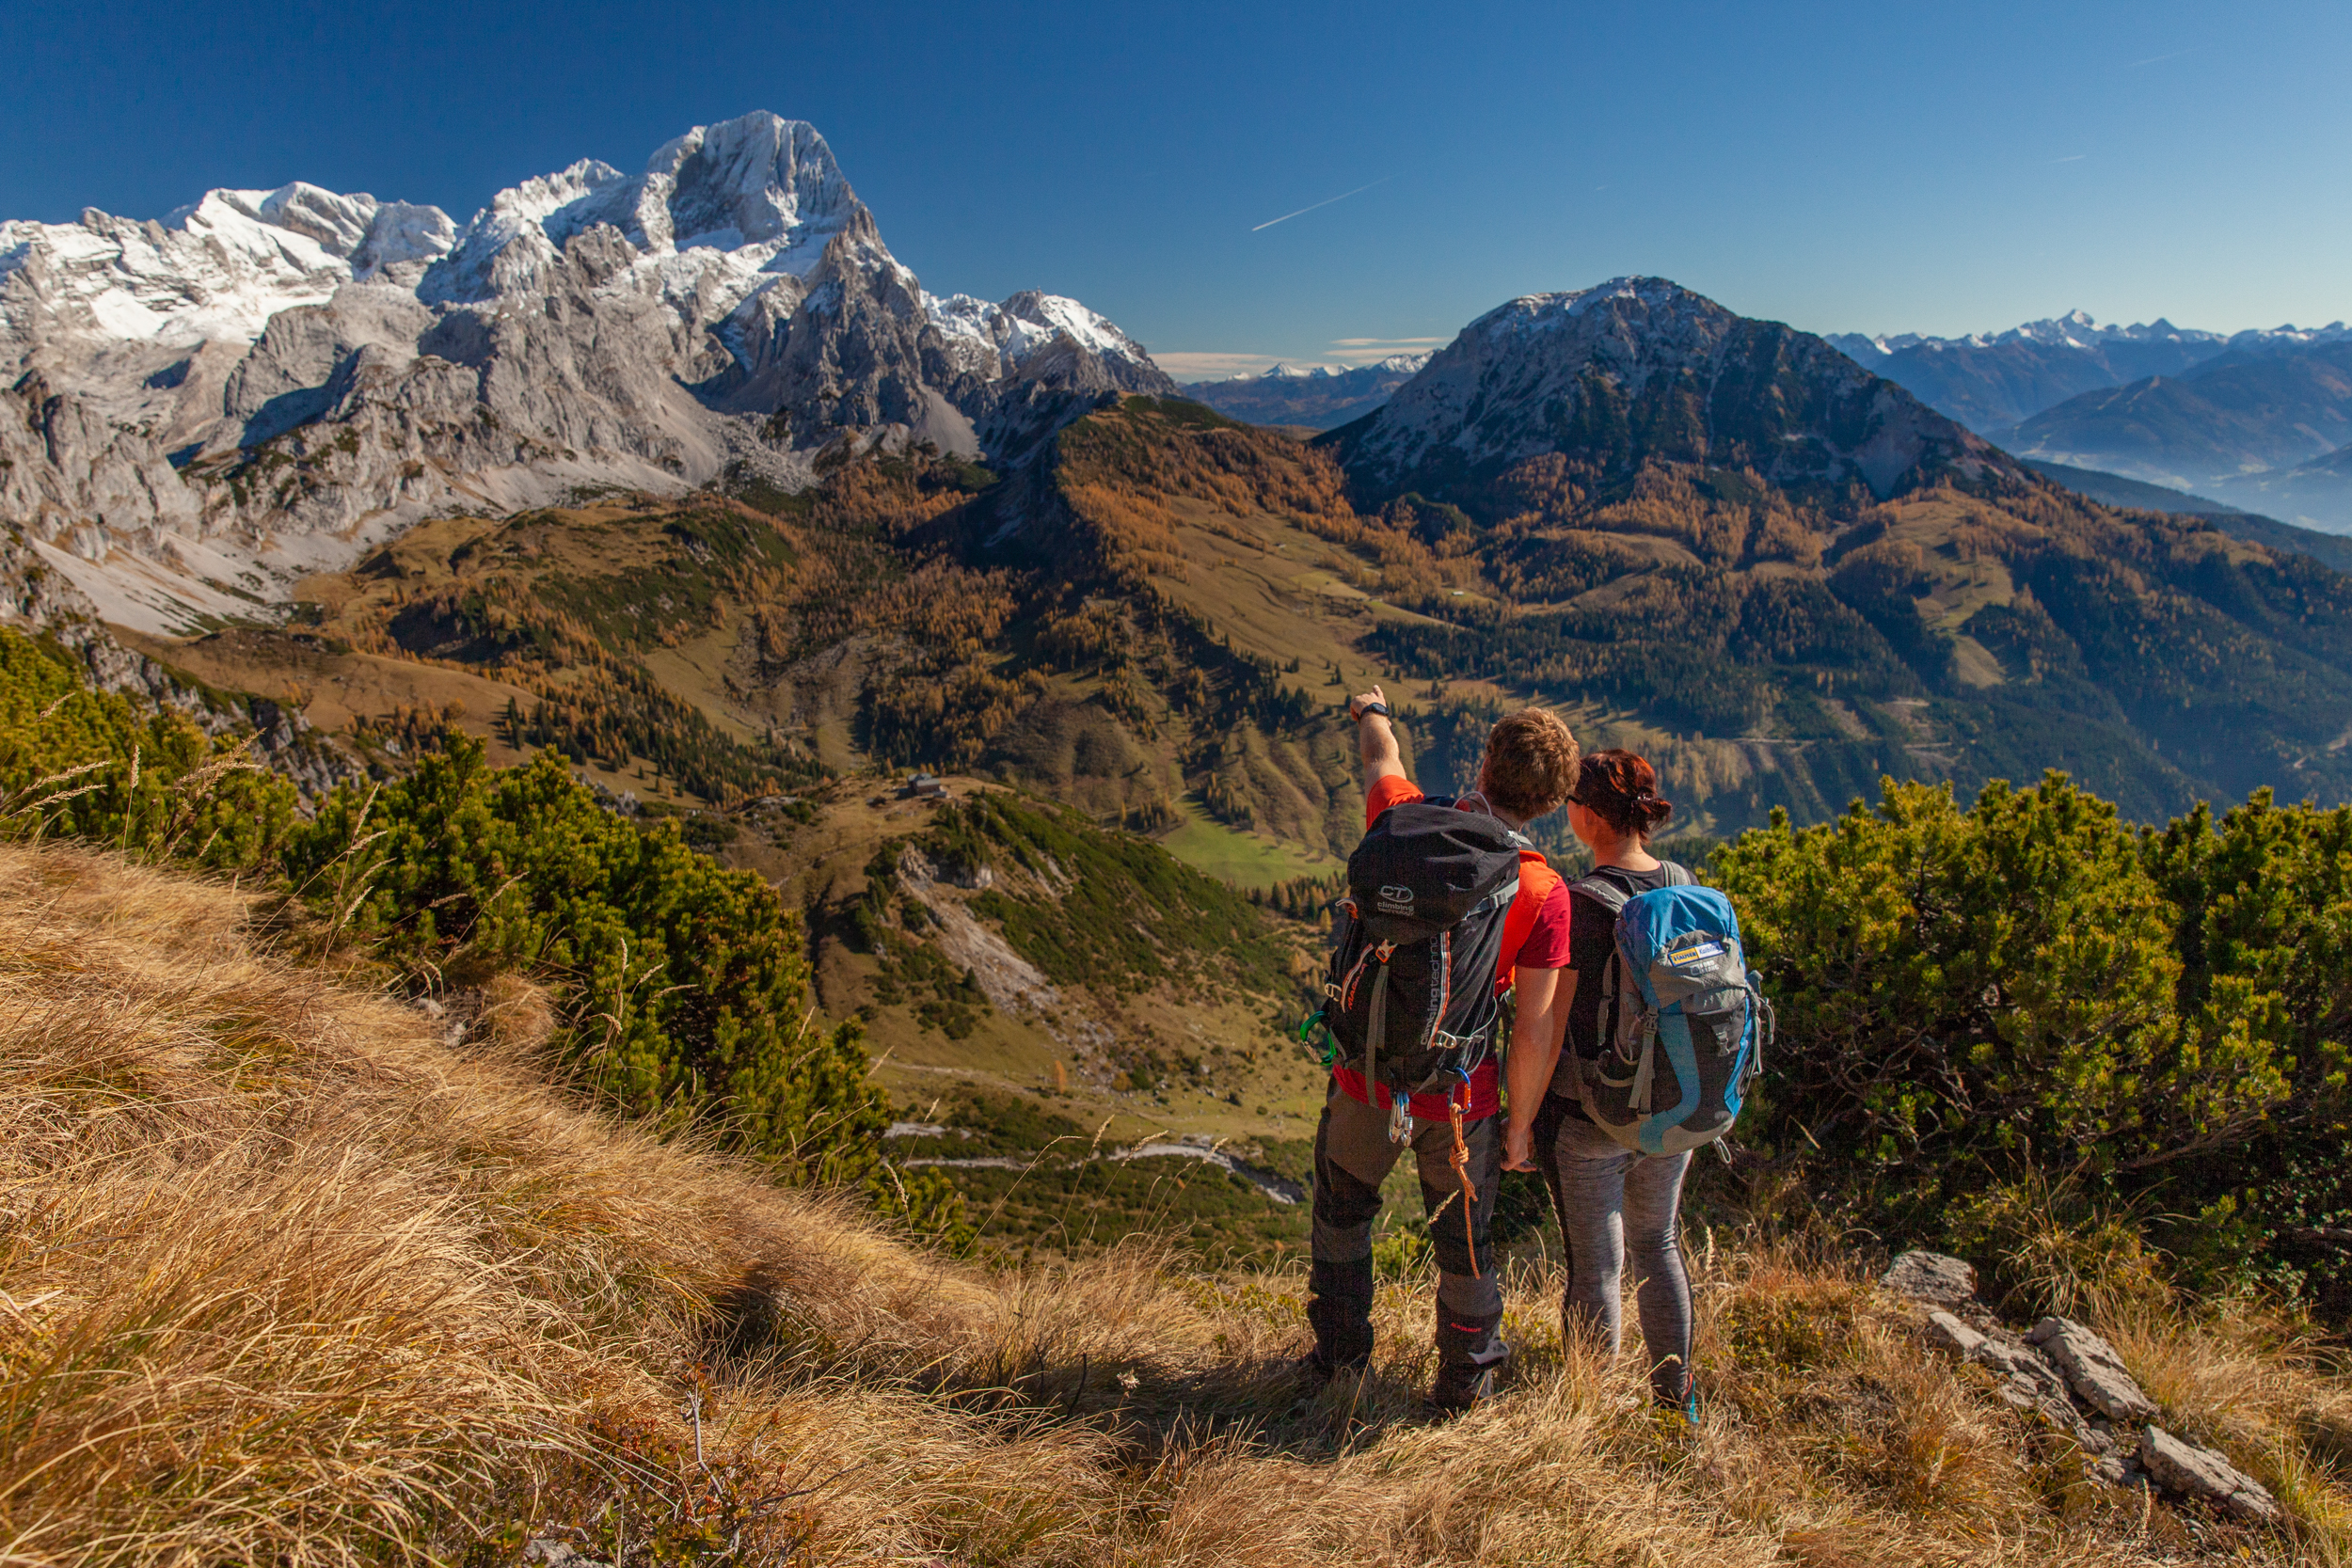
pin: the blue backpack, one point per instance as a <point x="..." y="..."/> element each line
<point x="1683" y="1022"/>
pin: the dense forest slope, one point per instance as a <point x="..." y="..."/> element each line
<point x="1156" y="618"/>
<point x="1710" y="537"/>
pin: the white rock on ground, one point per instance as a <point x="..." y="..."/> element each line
<point x="1932" y="1276"/>
<point x="2091" y="1366"/>
<point x="2179" y="1466"/>
<point x="1953" y="1335"/>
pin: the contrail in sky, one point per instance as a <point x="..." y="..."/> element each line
<point x="2154" y="59"/>
<point x="1325" y="202"/>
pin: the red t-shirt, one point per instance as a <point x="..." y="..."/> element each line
<point x="1534" y="936"/>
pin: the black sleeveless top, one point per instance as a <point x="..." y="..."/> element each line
<point x="1592" y="937"/>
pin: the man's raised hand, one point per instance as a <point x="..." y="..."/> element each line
<point x="1357" y="705"/>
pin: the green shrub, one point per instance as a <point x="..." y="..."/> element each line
<point x="1971" y="1000"/>
<point x="89" y="765"/>
<point x="685" y="987"/>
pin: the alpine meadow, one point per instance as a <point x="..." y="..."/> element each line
<point x="657" y="891"/>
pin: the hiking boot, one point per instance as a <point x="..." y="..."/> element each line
<point x="1673" y="1389"/>
<point x="1462" y="1385"/>
<point x="1316" y="1375"/>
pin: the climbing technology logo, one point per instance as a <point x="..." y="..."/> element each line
<point x="1396" y="900"/>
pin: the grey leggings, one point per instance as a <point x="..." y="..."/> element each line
<point x="1612" y="1200"/>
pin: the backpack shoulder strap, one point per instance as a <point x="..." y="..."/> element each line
<point x="1605" y="892"/>
<point x="1601" y="891"/>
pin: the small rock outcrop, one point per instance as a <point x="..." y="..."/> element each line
<point x="2071" y="1378"/>
<point x="1932" y="1276"/>
<point x="2030" y="1382"/>
<point x="2091" y="1366"/>
<point x="2195" y="1471"/>
<point x="1954" y="1336"/>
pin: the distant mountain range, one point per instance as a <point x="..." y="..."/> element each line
<point x="2259" y="418"/>
<point x="1989" y="381"/>
<point x="2269" y="429"/>
<point x="1318" y="397"/>
<point x="2255" y="421"/>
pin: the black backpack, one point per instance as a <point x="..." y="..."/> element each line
<point x="1410" y="997"/>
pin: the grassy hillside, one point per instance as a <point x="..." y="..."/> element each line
<point x="289" y="1278"/>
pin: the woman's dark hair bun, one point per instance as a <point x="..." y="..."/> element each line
<point x="1621" y="788"/>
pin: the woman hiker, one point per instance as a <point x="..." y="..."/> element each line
<point x="1611" y="1201"/>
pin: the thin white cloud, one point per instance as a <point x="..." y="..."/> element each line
<point x="2154" y="59"/>
<point x="1406" y="343"/>
<point x="2070" y="158"/>
<point x="1325" y="202"/>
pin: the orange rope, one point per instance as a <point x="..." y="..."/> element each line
<point x="1461" y="1158"/>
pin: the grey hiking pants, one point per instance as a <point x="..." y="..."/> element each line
<point x="1611" y="1201"/>
<point x="1352" y="1156"/>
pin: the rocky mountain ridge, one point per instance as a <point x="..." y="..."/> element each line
<point x="1639" y="370"/>
<point x="204" y="408"/>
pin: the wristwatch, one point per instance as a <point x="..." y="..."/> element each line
<point x="1369" y="709"/>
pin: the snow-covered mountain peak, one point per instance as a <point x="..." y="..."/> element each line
<point x="1549" y="312"/>
<point x="1023" y="327"/>
<point x="732" y="303"/>
<point x="760" y="180"/>
<point x="218" y="269"/>
<point x="761" y="191"/>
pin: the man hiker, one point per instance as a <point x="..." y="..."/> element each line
<point x="1446" y="1111"/>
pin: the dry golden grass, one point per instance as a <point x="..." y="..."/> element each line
<point x="288" y="1280"/>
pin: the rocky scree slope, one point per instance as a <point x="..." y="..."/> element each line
<point x="199" y="409"/>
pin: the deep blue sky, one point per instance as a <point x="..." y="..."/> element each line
<point x="1858" y="167"/>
